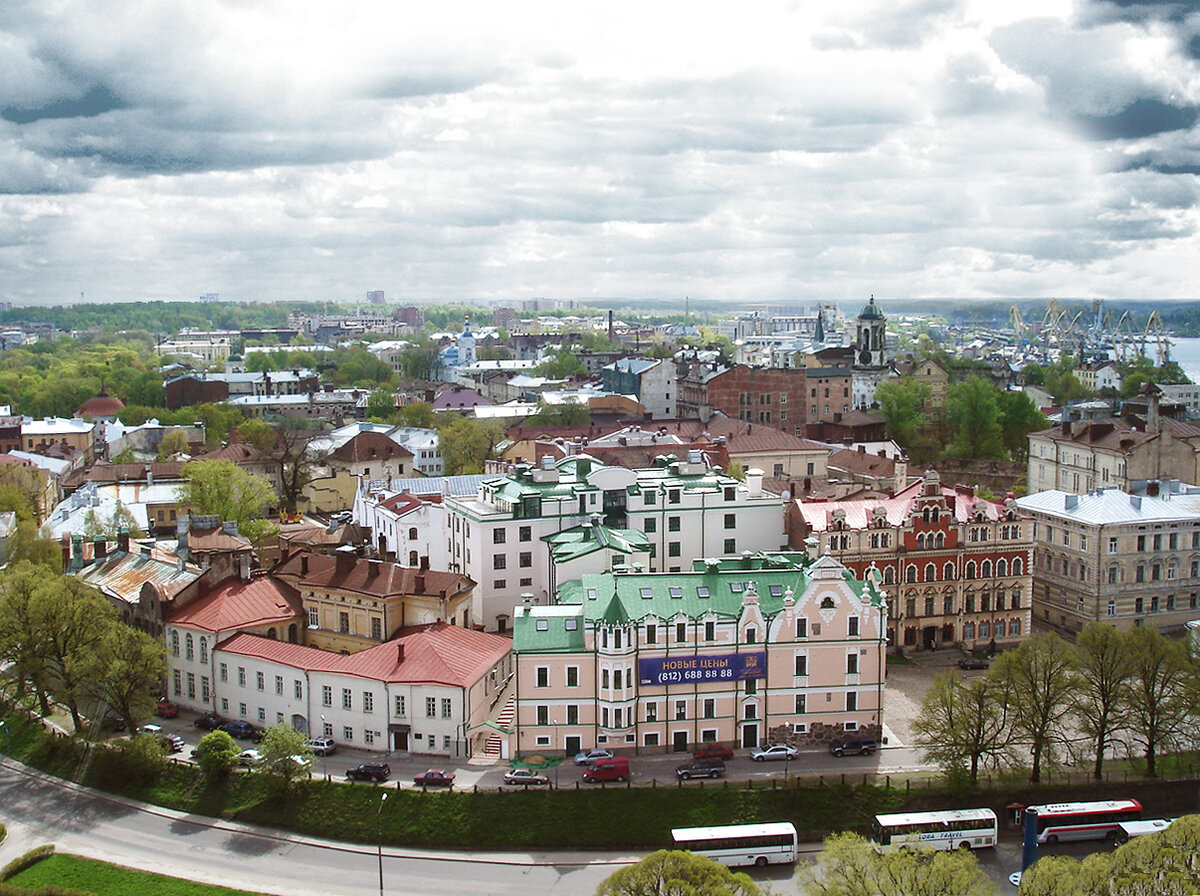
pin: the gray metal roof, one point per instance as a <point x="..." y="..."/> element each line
<point x="1111" y="505"/>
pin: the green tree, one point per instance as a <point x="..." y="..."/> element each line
<point x="286" y="756"/>
<point x="677" y="873"/>
<point x="1065" y="876"/>
<point x="851" y="866"/>
<point x="1038" y="678"/>
<point x="258" y="433"/>
<point x="465" y="444"/>
<point x="1159" y="699"/>
<point x="902" y="403"/>
<point x="1104" y="667"/>
<point x="964" y="725"/>
<point x="570" y="413"/>
<point x="32" y="547"/>
<point x="216" y="755"/>
<point x="560" y="365"/>
<point x="174" y="442"/>
<point x="230" y="492"/>
<point x="973" y="410"/>
<point x="380" y="404"/>
<point x="418" y="413"/>
<point x="20" y="491"/>
<point x="1018" y="418"/>
<point x="125" y="671"/>
<point x="23" y="639"/>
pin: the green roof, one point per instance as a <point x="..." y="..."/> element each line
<point x="579" y="541"/>
<point x="548" y="629"/>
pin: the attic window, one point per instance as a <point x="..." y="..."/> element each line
<point x="571" y="624"/>
<point x="776" y="590"/>
<point x="646" y="592"/>
<point x="827" y="603"/>
<point x="591" y="594"/>
<point x="543" y="625"/>
<point x="675" y="591"/>
<point x="702" y="591"/>
<point x="736" y="587"/>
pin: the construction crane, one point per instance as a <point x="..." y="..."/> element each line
<point x="1018" y="323"/>
<point x="1154" y="325"/>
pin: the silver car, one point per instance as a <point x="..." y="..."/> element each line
<point x="775" y="751"/>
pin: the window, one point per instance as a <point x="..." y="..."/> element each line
<point x="326" y="695"/>
<point x="191" y="686"/>
<point x="651" y="712"/>
<point x="177" y="682"/>
<point x="731" y="521"/>
<point x="751" y="636"/>
<point x="344" y="623"/>
<point x="680" y="710"/>
<point x="499" y="561"/>
<point x="710" y="708"/>
<point x="376" y="628"/>
<point x="801" y="704"/>
<point x="650" y="498"/>
<point x="499" y="584"/>
<point x="525" y="559"/>
<point x="604" y="675"/>
<point x="710" y="631"/>
<point x="802" y="664"/>
<point x="431" y="707"/>
<point x="498" y="536"/>
<point x="543" y="676"/>
<point x="572" y="676"/>
<point x="314" y="618"/>
<point x="347" y="734"/>
<point x="543" y="715"/>
<point x="223" y="672"/>
<point x="852" y="664"/>
<point x="572" y="714"/>
<point x="730" y="546"/>
<point x="680" y="632"/>
<point x="673" y="496"/>
<point x="651" y="633"/>
<point x="174" y="643"/>
<point x="447" y="708"/>
<point x="672" y="524"/>
<point x="399" y="707"/>
<point x="368" y="702"/>
<point x="801" y="628"/>
<point x="260" y="680"/>
<point x="852" y="626"/>
<point x="189" y="650"/>
<point x="651" y="525"/>
<point x="279" y="685"/>
<point x="204" y="650"/>
<point x="525" y="533"/>
<point x="617" y="679"/>
<point x="851" y="701"/>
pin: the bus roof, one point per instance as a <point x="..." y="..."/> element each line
<point x="950" y="815"/>
<point x="1072" y="808"/>
<point x="1152" y="826"/>
<point x="769" y="829"/>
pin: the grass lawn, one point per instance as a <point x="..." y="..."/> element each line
<point x="102" y="879"/>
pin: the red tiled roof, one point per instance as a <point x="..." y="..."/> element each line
<point x="819" y="514"/>
<point x="375" y="577"/>
<point x="234" y="604"/>
<point x="102" y="405"/>
<point x="402" y="503"/>
<point x="369" y="446"/>
<point x="239" y="453"/>
<point x="433" y="654"/>
<point x="862" y="463"/>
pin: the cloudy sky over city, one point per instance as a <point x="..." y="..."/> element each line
<point x="287" y="149"/>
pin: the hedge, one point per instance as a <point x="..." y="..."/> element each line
<point x="20" y="863"/>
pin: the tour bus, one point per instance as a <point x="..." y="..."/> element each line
<point x="949" y="829"/>
<point x="741" y="844"/>
<point x="1084" y="821"/>
<point x="1127" y="830"/>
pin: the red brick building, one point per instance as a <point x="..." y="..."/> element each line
<point x="774" y="396"/>
<point x="956" y="569"/>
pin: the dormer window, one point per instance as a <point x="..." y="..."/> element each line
<point x="542" y="625"/>
<point x="702" y="591"/>
<point x="827" y="603"/>
<point x="591" y="594"/>
<point x="737" y="587"/>
<point x="775" y="590"/>
<point x="675" y="591"/>
<point x="646" y="592"/>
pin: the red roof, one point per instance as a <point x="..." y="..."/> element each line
<point x="374" y="577"/>
<point x="102" y="405"/>
<point x="369" y="446"/>
<point x="858" y="513"/>
<point x="234" y="604"/>
<point x="433" y="654"/>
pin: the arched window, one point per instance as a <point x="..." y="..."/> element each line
<point x="412" y="558"/>
<point x="189" y="646"/>
<point x="930" y="572"/>
<point x="985" y="569"/>
<point x="934" y="515"/>
<point x="412" y="533"/>
<point x="174" y="643"/>
<point x="1002" y="567"/>
<point x="948" y="572"/>
<point x="292" y="633"/>
<point x="970" y="569"/>
<point x="921" y="541"/>
<point x="827" y="603"/>
<point x="910" y="574"/>
<point x="888" y="575"/>
<point x="925" y="514"/>
<point x="1018" y="566"/>
<point x="271" y="634"/>
<point x="204" y="650"/>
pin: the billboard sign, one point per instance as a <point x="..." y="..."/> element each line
<point x="702" y="668"/>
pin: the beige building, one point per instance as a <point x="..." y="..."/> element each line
<point x="1115" y="557"/>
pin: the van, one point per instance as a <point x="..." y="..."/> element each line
<point x="614" y="768"/>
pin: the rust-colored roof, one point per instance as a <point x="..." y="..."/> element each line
<point x="233" y="604"/>
<point x="862" y="463"/>
<point x="102" y="405"/>
<point x="402" y="503"/>
<point x="819" y="514"/>
<point x="433" y="654"/>
<point x="375" y="577"/>
<point x="239" y="453"/>
<point x="123" y="573"/>
<point x="369" y="446"/>
<point x="103" y="471"/>
<point x="206" y="540"/>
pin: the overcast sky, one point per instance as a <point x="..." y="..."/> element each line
<point x="785" y="152"/>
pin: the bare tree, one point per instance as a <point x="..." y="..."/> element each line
<point x="1159" y="704"/>
<point x="964" y="723"/>
<point x="1038" y="678"/>
<point x="1104" y="667"/>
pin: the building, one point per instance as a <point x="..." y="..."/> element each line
<point x="957" y="568"/>
<point x="1101" y="376"/>
<point x="75" y="435"/>
<point x="101" y="408"/>
<point x="870" y="354"/>
<point x="774" y="396"/>
<point x="652" y="381"/>
<point x="352" y="604"/>
<point x="1111" y="556"/>
<point x="764" y="648"/>
<point x="686" y="510"/>
<point x="929" y="373"/>
<point x="1186" y="394"/>
<point x="372" y="455"/>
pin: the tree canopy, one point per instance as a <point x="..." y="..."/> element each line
<point x="230" y="492"/>
<point x="851" y="866"/>
<point x="677" y="873"/>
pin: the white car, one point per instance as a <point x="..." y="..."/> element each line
<point x="322" y="746"/>
<point x="775" y="751"/>
<point x="249" y="758"/>
<point x="587" y="757"/>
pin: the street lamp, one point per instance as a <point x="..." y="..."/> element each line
<point x="379" y="836"/>
<point x="324" y="753"/>
<point x="557" y="758"/>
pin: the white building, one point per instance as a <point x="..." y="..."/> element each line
<point x="496" y="536"/>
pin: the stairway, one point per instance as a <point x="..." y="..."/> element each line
<point x="504" y="720"/>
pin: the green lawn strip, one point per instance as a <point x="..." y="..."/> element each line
<point x="103" y="879"/>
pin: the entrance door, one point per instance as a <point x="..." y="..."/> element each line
<point x="300" y="724"/>
<point x="679" y="741"/>
<point x="400" y="741"/>
<point x="929" y="637"/>
<point x="750" y="736"/>
<point x="572" y="744"/>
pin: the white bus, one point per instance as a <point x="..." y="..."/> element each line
<point x="951" y="829"/>
<point x="1084" y="821"/>
<point x="1127" y="830"/>
<point x="741" y="844"/>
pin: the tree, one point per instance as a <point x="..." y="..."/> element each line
<point x="22" y="639"/>
<point x="1159" y="707"/>
<point x="286" y="756"/>
<point x="569" y="413"/>
<point x="222" y="488"/>
<point x="902" y="403"/>
<point x="216" y="755"/>
<point x="964" y="724"/>
<point x="677" y="873"/>
<point x="1104" y="667"/>
<point x="850" y="866"/>
<point x="20" y="490"/>
<point x="465" y="444"/>
<point x="1065" y="876"/>
<point x="125" y="671"/>
<point x="1019" y="417"/>
<point x="973" y="409"/>
<point x="1037" y="677"/>
<point x="293" y="441"/>
<point x="417" y="413"/>
<point x="174" y="442"/>
<point x="560" y="365"/>
<point x="31" y="546"/>
<point x="258" y="433"/>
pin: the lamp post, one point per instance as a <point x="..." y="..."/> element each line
<point x="379" y="836"/>
<point x="324" y="753"/>
<point x="558" y="759"/>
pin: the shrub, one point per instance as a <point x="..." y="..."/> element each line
<point x="20" y="863"/>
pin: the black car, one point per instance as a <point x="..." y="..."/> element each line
<point x="972" y="662"/>
<point x="210" y="721"/>
<point x="370" y="771"/>
<point x="852" y="746"/>
<point x="112" y="722"/>
<point x="701" y="768"/>
<point x="241" y="729"/>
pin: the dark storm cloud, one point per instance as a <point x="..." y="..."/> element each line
<point x="1141" y="118"/>
<point x="96" y="101"/>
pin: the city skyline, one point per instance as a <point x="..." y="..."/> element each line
<point x="273" y="151"/>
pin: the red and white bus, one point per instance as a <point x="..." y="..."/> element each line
<point x="1084" y="821"/>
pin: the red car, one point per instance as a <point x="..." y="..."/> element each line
<point x="713" y="751"/>
<point x="435" y="776"/>
<point x="166" y="709"/>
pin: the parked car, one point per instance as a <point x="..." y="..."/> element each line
<point x="210" y="721"/>
<point x="589" y="756"/>
<point x="701" y="768"/>
<point x="370" y="771"/>
<point x="322" y="746"/>
<point x="156" y="730"/>
<point x="713" y="751"/>
<point x="249" y="758"/>
<point x="112" y="722"/>
<point x="166" y="709"/>
<point x="434" y="777"/>
<point x="972" y="662"/>
<point x="853" y="746"/>
<point x="242" y="730"/>
<point x="174" y="742"/>
<point x="526" y="776"/>
<point x="611" y="768"/>
<point x="775" y="751"/>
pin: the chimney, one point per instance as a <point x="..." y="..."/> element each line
<point x="419" y="585"/>
<point x="145" y="551"/>
<point x="304" y="564"/>
<point x="754" y="481"/>
<point x="345" y="560"/>
<point x="424" y="564"/>
<point x="243" y="563"/>
<point x="100" y="548"/>
<point x="149" y="476"/>
<point x="399" y="652"/>
<point x="123" y="540"/>
<point x="229" y="527"/>
<point x="1152" y="488"/>
<point x="76" y="552"/>
<point x="862" y="449"/>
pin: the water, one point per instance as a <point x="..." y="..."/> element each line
<point x="1186" y="353"/>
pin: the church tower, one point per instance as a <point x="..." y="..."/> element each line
<point x="466" y="344"/>
<point x="869" y="346"/>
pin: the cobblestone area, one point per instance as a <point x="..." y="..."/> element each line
<point x="907" y="686"/>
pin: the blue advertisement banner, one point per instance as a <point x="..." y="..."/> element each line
<point x="667" y="670"/>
